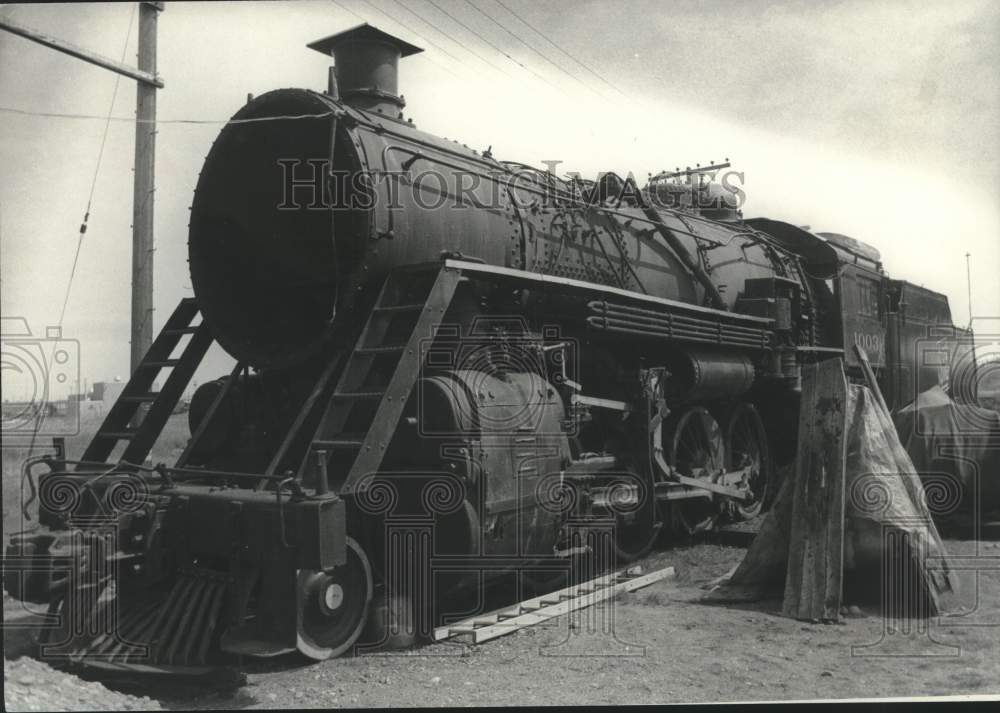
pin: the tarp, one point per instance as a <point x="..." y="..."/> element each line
<point x="956" y="449"/>
<point x="884" y="506"/>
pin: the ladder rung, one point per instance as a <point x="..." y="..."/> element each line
<point x="142" y="399"/>
<point x="181" y="317"/>
<point x="338" y="443"/>
<point x="413" y="307"/>
<point x="179" y="331"/>
<point x="119" y="435"/>
<point x="161" y="364"/>
<point x="358" y="395"/>
<point x="380" y="350"/>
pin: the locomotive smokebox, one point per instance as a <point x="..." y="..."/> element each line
<point x="367" y="62"/>
<point x="264" y="267"/>
<point x="271" y="244"/>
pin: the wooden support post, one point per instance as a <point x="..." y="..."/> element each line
<point x="59" y="451"/>
<point x="814" y="579"/>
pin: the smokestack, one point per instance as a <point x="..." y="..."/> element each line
<point x="367" y="62"/>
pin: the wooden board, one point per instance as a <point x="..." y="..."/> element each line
<point x="814" y="578"/>
<point x="538" y="609"/>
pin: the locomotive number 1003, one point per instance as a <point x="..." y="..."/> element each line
<point x="873" y="344"/>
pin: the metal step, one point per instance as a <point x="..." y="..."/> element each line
<point x="160" y="364"/>
<point x="141" y="399"/>
<point x="359" y="395"/>
<point x="413" y="307"/>
<point x="119" y="435"/>
<point x="396" y="348"/>
<point x="344" y="441"/>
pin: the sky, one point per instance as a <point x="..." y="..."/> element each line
<point x="879" y="120"/>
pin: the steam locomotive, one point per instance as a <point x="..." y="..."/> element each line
<point x="446" y="364"/>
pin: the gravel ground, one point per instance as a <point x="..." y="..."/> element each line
<point x="656" y="645"/>
<point x="663" y="646"/>
<point x="31" y="685"/>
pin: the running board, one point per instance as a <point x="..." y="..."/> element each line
<point x="534" y="611"/>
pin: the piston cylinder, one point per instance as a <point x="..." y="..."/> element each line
<point x="698" y="375"/>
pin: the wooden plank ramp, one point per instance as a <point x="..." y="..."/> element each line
<point x="814" y="578"/>
<point x="484" y="627"/>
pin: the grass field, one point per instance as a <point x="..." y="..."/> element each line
<point x="167" y="448"/>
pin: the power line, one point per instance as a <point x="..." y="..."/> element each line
<point x="132" y="119"/>
<point x="97" y="170"/>
<point x="467" y="49"/>
<point x="529" y="46"/>
<point x="107" y="123"/>
<point x="83" y="225"/>
<point x="505" y="54"/>
<point x="422" y="39"/>
<point x="544" y="37"/>
<point x="344" y="7"/>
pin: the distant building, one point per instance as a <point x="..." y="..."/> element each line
<point x="106" y="391"/>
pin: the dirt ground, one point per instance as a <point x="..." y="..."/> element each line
<point x="656" y="645"/>
<point x="30" y="685"/>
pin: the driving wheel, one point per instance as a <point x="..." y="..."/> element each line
<point x="746" y="447"/>
<point x="696" y="451"/>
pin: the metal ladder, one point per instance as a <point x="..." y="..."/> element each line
<point x="138" y="391"/>
<point x="365" y="407"/>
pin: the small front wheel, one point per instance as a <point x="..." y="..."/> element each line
<point x="333" y="604"/>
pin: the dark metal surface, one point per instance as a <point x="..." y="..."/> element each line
<point x="675" y="327"/>
<point x="861" y="303"/>
<point x="367" y="67"/>
<point x="819" y="255"/>
<point x="548" y="357"/>
<point x="444" y="198"/>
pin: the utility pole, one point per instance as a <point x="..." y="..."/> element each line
<point x="143" y="188"/>
<point x="968" y="284"/>
<point x="147" y="83"/>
